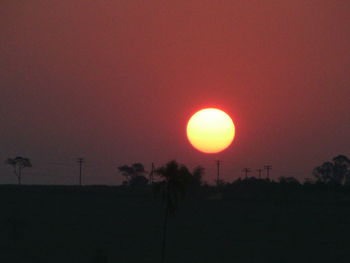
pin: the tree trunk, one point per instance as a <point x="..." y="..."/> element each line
<point x="19" y="175"/>
<point x="165" y="223"/>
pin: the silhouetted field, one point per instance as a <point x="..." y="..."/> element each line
<point x="244" y="224"/>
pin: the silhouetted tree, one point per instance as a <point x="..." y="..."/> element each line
<point x="337" y="172"/>
<point x="175" y="180"/>
<point x="342" y="168"/>
<point x="138" y="180"/>
<point x="220" y="183"/>
<point x="288" y="180"/>
<point x="196" y="179"/>
<point x="134" y="174"/>
<point x="18" y="163"/>
<point x="192" y="181"/>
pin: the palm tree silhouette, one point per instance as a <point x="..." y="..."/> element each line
<point x="18" y="163"/>
<point x="175" y="181"/>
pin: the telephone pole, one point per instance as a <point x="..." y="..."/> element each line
<point x="80" y="161"/>
<point x="151" y="174"/>
<point x="268" y="168"/>
<point x="218" y="162"/>
<point x="246" y="171"/>
<point x="259" y="171"/>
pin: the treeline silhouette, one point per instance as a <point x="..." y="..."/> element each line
<point x="331" y="177"/>
<point x="175" y="181"/>
<point x="163" y="193"/>
<point x="335" y="172"/>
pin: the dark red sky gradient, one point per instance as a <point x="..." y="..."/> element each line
<point x="116" y="81"/>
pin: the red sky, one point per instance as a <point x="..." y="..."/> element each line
<point x="116" y="81"/>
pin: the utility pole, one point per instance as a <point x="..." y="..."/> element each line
<point x="259" y="171"/>
<point x="80" y="161"/>
<point x="246" y="171"/>
<point x="268" y="168"/>
<point x="218" y="162"/>
<point x="151" y="174"/>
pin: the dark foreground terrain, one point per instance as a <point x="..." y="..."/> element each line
<point x="70" y="224"/>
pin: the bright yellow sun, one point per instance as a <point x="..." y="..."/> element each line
<point x="210" y="130"/>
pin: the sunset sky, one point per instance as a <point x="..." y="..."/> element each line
<point x="116" y="81"/>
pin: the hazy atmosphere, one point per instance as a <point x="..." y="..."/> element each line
<point x="115" y="82"/>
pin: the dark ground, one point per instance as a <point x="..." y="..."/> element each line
<point x="69" y="224"/>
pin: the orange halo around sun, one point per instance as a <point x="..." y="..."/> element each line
<point x="210" y="130"/>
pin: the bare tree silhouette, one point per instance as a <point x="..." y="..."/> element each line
<point x="18" y="163"/>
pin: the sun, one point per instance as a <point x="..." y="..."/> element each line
<point x="210" y="130"/>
